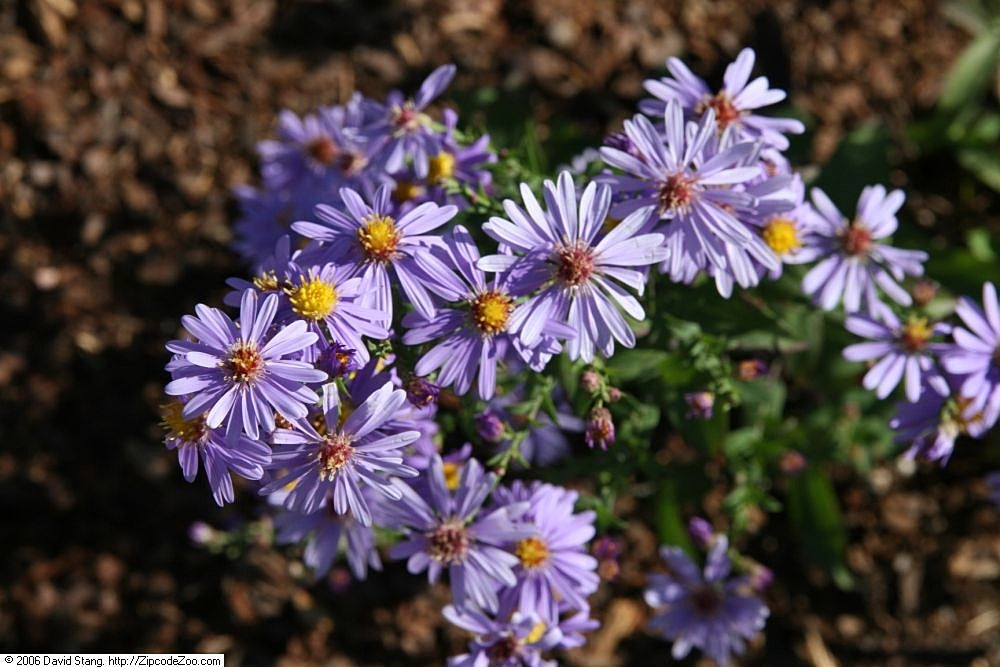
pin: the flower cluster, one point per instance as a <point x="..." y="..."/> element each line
<point x="371" y="306"/>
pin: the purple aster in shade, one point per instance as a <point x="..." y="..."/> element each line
<point x="239" y="374"/>
<point x="473" y="335"/>
<point x="854" y="263"/>
<point x="339" y="460"/>
<point x="732" y="105"/>
<point x="451" y="530"/>
<point x="976" y="352"/>
<point x="902" y="350"/>
<point x="686" y="182"/>
<point x="577" y="266"/>
<point x="193" y="439"/>
<point x="700" y="404"/>
<point x="931" y="424"/>
<point x="305" y="148"/>
<point x="264" y="219"/>
<point x="337" y="360"/>
<point x="554" y="565"/>
<point x="326" y="530"/>
<point x="459" y="166"/>
<point x="712" y="611"/>
<point x="370" y="239"/>
<point x="402" y="130"/>
<point x="517" y="641"/>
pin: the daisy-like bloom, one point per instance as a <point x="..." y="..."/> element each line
<point x="554" y="565"/>
<point x="732" y="106"/>
<point x="402" y="129"/>
<point x="577" y="268"/>
<point x="371" y="239"/>
<point x="855" y="264"/>
<point x="784" y="229"/>
<point x="240" y="374"/>
<point x="901" y="350"/>
<point x="517" y="642"/>
<point x="691" y="185"/>
<point x="338" y="459"/>
<point x="976" y="353"/>
<point x="305" y="149"/>
<point x="700" y="404"/>
<point x="326" y="529"/>
<point x="712" y="611"/>
<point x="931" y="425"/>
<point x="193" y="440"/>
<point x="512" y="638"/>
<point x="475" y="333"/>
<point x="325" y="295"/>
<point x="450" y="530"/>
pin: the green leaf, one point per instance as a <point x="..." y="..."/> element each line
<point x="983" y="163"/>
<point x="629" y="365"/>
<point x="670" y="526"/>
<point x="971" y="74"/>
<point x="814" y="510"/>
<point x="978" y="240"/>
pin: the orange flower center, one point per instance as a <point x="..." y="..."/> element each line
<point x="244" y="363"/>
<point x="532" y="552"/>
<point x="490" y="311"/>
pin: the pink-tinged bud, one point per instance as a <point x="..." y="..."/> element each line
<point x="614" y="394"/>
<point x="793" y="462"/>
<point x="201" y="533"/>
<point x="600" y="429"/>
<point x="761" y="578"/>
<point x="751" y="369"/>
<point x="924" y="292"/>
<point x="590" y="381"/>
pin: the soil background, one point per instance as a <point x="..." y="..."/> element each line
<point x="124" y="124"/>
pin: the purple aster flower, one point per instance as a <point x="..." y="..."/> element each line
<point x="577" y="267"/>
<point x="337" y="360"/>
<point x="265" y="216"/>
<point x="600" y="429"/>
<point x="338" y="461"/>
<point x="976" y="353"/>
<point x="305" y="149"/>
<point x="732" y="106"/>
<point x="701" y="532"/>
<point x="517" y="641"/>
<point x="238" y="375"/>
<point x="932" y="423"/>
<point x="554" y="565"/>
<point x="489" y="426"/>
<point x="687" y="183"/>
<point x="403" y="131"/>
<point x="454" y="167"/>
<point x="451" y="530"/>
<point x="700" y="404"/>
<point x="901" y="350"/>
<point x="473" y="335"/>
<point x="193" y="439"/>
<point x="855" y="263"/>
<point x="712" y="611"/>
<point x="325" y="295"/>
<point x="326" y="529"/>
<point x="369" y="238"/>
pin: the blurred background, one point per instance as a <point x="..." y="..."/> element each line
<point x="124" y="124"/>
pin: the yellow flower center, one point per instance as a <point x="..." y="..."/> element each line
<point x="267" y="282"/>
<point x="178" y="428"/>
<point x="440" y="168"/>
<point x="537" y="632"/>
<point x="916" y="333"/>
<point x="244" y="363"/>
<point x="781" y="236"/>
<point x="490" y="311"/>
<point x="532" y="552"/>
<point x="451" y="475"/>
<point x="314" y="298"/>
<point x="334" y="454"/>
<point x="379" y="238"/>
<point x="407" y="190"/>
